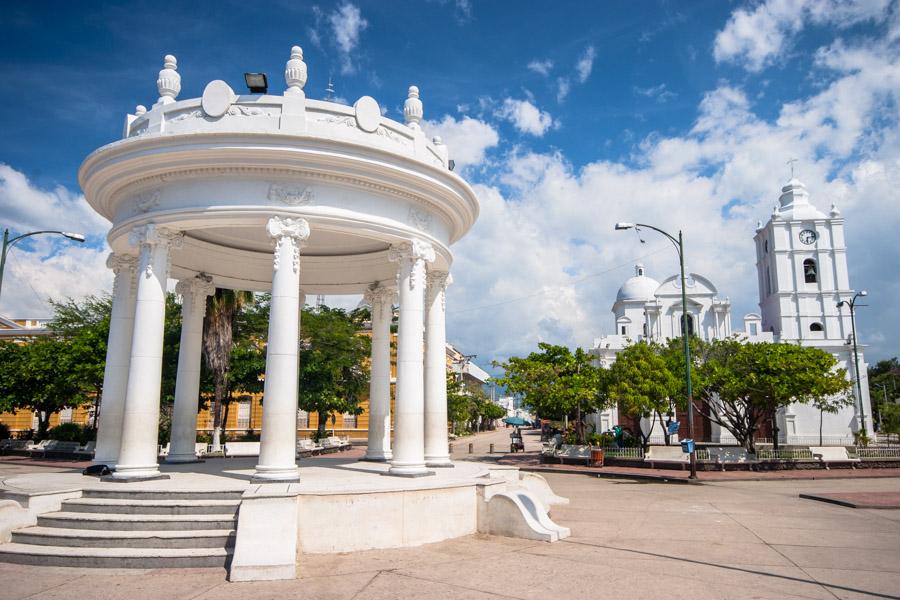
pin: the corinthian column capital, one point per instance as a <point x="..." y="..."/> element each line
<point x="195" y="290"/>
<point x="282" y="229"/>
<point x="152" y="235"/>
<point x="119" y="263"/>
<point x="411" y="251"/>
<point x="438" y="279"/>
<point x="379" y="295"/>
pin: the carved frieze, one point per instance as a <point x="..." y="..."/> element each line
<point x="292" y="195"/>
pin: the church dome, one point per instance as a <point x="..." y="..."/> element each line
<point x="640" y="287"/>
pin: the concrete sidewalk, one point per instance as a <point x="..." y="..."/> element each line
<point x="726" y="539"/>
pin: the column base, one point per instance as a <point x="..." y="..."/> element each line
<point x="405" y="473"/>
<point x="275" y="474"/>
<point x="439" y="462"/>
<point x="136" y="473"/>
<point x="377" y="457"/>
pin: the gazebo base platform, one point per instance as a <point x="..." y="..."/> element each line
<point x="212" y="514"/>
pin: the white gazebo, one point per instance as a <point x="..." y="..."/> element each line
<point x="288" y="195"/>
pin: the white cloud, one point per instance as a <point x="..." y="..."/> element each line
<point x="543" y="262"/>
<point x="563" y="87"/>
<point x="525" y="116"/>
<point x="585" y="64"/>
<point x="541" y="67"/>
<point x="660" y="93"/>
<point x="467" y="139"/>
<point x="48" y="266"/>
<point x="347" y="23"/>
<point x="757" y="37"/>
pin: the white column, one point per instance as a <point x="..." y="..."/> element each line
<point x="437" y="452"/>
<point x="379" y="446"/>
<point x="118" y="355"/>
<point x="187" y="383"/>
<point x="138" y="453"/>
<point x="278" y="444"/>
<point x="409" y="421"/>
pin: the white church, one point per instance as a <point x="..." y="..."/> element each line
<point x="801" y="260"/>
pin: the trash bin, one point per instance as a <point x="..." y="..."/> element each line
<point x="596" y="457"/>
<point x="687" y="446"/>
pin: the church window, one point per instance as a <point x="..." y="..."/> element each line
<point x="624" y="329"/>
<point x="690" y="325"/>
<point x="645" y="330"/>
<point x="753" y="330"/>
<point x="768" y="282"/>
<point x="816" y="327"/>
<point x="766" y="246"/>
<point x="810" y="273"/>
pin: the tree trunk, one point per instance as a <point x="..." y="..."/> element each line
<point x="821" y="418"/>
<point x="665" y="425"/>
<point x="774" y="432"/>
<point x="217" y="415"/>
<point x="320" y="428"/>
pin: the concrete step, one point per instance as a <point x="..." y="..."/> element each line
<point x="141" y="506"/>
<point x="122" y="558"/>
<point x="93" y="538"/>
<point x="124" y="522"/>
<point x="122" y="491"/>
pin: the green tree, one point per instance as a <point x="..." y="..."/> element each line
<point x="333" y="362"/>
<point x="555" y="383"/>
<point x="644" y="386"/>
<point x="741" y="384"/>
<point x="85" y="324"/>
<point x="890" y="419"/>
<point x="222" y="309"/>
<point x="884" y="386"/>
<point x="40" y="376"/>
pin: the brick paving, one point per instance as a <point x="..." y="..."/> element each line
<point x="529" y="461"/>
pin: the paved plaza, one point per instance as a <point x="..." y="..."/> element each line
<point x="629" y="539"/>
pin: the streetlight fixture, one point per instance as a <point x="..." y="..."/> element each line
<point x="852" y="305"/>
<point x="679" y="247"/>
<point x="8" y="243"/>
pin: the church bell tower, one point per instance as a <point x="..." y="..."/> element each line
<point x="801" y="261"/>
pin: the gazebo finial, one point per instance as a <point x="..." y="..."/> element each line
<point x="169" y="82"/>
<point x="295" y="72"/>
<point x="412" y="108"/>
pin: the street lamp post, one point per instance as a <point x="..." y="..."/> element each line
<point x="679" y="247"/>
<point x="8" y="243"/>
<point x="852" y="305"/>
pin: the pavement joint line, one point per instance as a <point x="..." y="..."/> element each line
<point x="454" y="585"/>
<point x="780" y="553"/>
<point x="366" y="585"/>
<point x="812" y="581"/>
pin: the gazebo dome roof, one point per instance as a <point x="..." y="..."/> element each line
<point x="637" y="288"/>
<point x="217" y="168"/>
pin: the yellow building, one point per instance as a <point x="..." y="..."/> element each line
<point x="245" y="413"/>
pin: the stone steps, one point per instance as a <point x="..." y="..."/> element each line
<point x="120" y="558"/>
<point x="115" y="527"/>
<point x="125" y="493"/>
<point x="151" y="506"/>
<point x="93" y="538"/>
<point x="113" y="521"/>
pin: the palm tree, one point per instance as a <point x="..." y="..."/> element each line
<point x="222" y="308"/>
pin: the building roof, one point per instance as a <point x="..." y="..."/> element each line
<point x="794" y="203"/>
<point x="638" y="288"/>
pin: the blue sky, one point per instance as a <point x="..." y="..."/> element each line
<point x="567" y="116"/>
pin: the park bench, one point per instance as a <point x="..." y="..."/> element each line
<point x="828" y="455"/>
<point x="671" y="455"/>
<point x="55" y="449"/>
<point x="86" y="451"/>
<point x="241" y="448"/>
<point x="308" y="448"/>
<point x="573" y="453"/>
<point x="730" y="455"/>
<point x="335" y="444"/>
<point x="14" y="446"/>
